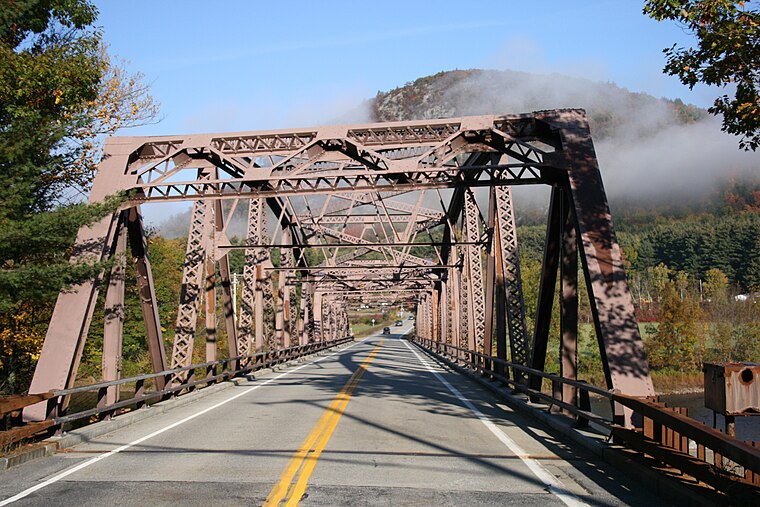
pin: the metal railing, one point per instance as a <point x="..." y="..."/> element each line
<point x="57" y="400"/>
<point x="667" y="434"/>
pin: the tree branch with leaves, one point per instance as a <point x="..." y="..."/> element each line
<point x="61" y="93"/>
<point x="726" y="54"/>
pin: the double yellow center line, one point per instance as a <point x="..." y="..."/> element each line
<point x="294" y="479"/>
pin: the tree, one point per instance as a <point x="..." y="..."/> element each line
<point x="679" y="340"/>
<point x="60" y="93"/>
<point x="167" y="257"/>
<point x="659" y="277"/>
<point x="682" y="282"/>
<point x="727" y="54"/>
<point x="716" y="286"/>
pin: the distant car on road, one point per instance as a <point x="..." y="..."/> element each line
<point x="399" y="323"/>
<point x="386" y="330"/>
<point x="411" y="317"/>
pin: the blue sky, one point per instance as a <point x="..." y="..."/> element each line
<point x="249" y="65"/>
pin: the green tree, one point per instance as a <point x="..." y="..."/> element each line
<point x="167" y="258"/>
<point x="682" y="282"/>
<point x="727" y="55"/>
<point x="659" y="278"/>
<point x="753" y="267"/>
<point x="60" y="93"/>
<point x="716" y="286"/>
<point x="679" y="340"/>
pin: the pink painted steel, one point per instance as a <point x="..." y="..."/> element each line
<point x="623" y="352"/>
<point x="148" y="303"/>
<point x="113" y="319"/>
<point x="356" y="194"/>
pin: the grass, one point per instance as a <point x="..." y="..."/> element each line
<point x="671" y="382"/>
<point x="666" y="381"/>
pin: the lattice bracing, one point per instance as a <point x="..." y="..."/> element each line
<point x="192" y="278"/>
<point x="476" y="307"/>
<point x="379" y="212"/>
<point x="510" y="259"/>
<point x="248" y="293"/>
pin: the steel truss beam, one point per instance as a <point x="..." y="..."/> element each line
<point x="509" y="269"/>
<point x="374" y="189"/>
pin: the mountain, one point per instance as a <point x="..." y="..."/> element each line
<point x="473" y="92"/>
<point x="658" y="156"/>
<point x="655" y="153"/>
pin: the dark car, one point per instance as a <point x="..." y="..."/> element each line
<point x="399" y="323"/>
<point x="386" y="330"/>
<point x="411" y="317"/>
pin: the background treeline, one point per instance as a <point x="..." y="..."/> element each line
<point x="695" y="281"/>
<point x="694" y="244"/>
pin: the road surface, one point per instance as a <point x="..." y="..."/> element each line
<point x="375" y="423"/>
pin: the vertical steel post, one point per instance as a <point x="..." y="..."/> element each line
<point x="317" y="319"/>
<point x="568" y="303"/>
<point x="455" y="278"/>
<point x="490" y="284"/>
<point x="474" y="292"/>
<point x="259" y="308"/>
<point x="444" y="308"/>
<point x="113" y="321"/>
<point x="228" y="295"/>
<point x="511" y="284"/>
<point x="190" y="290"/>
<point x="546" y="287"/>
<point x="246" y="343"/>
<point x="283" y="292"/>
<point x="307" y="299"/>
<point x="210" y="309"/>
<point x="500" y="293"/>
<point x="187" y="314"/>
<point x="271" y="338"/>
<point x="138" y="245"/>
<point x="435" y="315"/>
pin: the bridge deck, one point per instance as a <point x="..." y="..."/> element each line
<point x="400" y="432"/>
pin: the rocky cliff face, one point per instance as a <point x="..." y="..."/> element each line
<point x="653" y="152"/>
<point x="611" y="109"/>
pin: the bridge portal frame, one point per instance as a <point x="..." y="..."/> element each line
<point x="351" y="167"/>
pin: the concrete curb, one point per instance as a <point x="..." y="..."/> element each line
<point x="38" y="451"/>
<point x="51" y="445"/>
<point x="595" y="443"/>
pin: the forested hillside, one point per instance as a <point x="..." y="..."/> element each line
<point x="470" y="92"/>
<point x="686" y="207"/>
<point x="714" y="225"/>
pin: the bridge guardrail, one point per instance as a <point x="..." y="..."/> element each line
<point x="666" y="434"/>
<point x="11" y="406"/>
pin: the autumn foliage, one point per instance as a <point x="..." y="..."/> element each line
<point x="60" y="93"/>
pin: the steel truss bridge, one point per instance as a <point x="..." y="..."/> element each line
<point x="365" y="197"/>
<point x="415" y="212"/>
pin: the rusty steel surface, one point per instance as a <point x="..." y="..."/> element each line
<point x="415" y="212"/>
<point x="732" y="388"/>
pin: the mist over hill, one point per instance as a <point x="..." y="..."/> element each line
<point x="657" y="155"/>
<point x="653" y="152"/>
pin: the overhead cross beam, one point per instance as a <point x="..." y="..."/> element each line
<point x="417" y="209"/>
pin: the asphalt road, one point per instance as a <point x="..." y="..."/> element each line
<point x="375" y="423"/>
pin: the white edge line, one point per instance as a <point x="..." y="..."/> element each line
<point x="140" y="440"/>
<point x="551" y="482"/>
